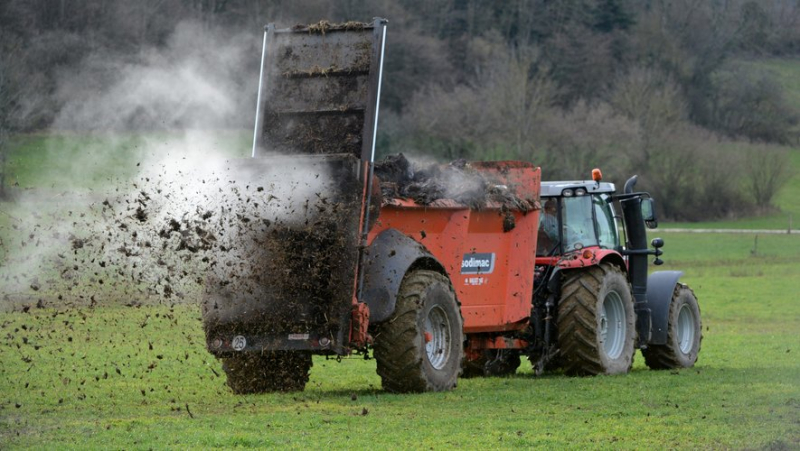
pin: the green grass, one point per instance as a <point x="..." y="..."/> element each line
<point x="63" y="389"/>
<point x="57" y="178"/>
<point x="727" y="249"/>
<point x="81" y="162"/>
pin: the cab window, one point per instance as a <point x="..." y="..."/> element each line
<point x="605" y="222"/>
<point x="578" y="223"/>
<point x="549" y="228"/>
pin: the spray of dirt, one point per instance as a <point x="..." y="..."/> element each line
<point x="180" y="206"/>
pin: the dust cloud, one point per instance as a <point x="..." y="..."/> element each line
<point x="155" y="191"/>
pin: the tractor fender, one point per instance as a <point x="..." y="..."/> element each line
<point x="576" y="260"/>
<point x="598" y="256"/>
<point x="613" y="257"/>
<point x="660" y="287"/>
<point x="387" y="261"/>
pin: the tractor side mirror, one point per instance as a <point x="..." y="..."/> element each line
<point x="649" y="213"/>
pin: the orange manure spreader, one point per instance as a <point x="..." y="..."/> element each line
<point x="441" y="271"/>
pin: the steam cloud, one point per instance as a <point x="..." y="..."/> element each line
<point x="185" y="206"/>
<point x="202" y="78"/>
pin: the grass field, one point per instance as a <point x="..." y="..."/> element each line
<point x="80" y="162"/>
<point x="126" y="377"/>
<point x="140" y="378"/>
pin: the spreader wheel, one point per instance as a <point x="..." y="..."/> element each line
<point x="596" y="322"/>
<point x="421" y="347"/>
<point x="684" y="333"/>
<point x="267" y="372"/>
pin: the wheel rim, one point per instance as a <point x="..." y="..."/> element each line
<point x="437" y="337"/>
<point x="612" y="325"/>
<point x="685" y="329"/>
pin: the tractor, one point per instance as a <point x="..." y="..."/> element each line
<point x="594" y="303"/>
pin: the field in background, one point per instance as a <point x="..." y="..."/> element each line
<point x="58" y="168"/>
<point x="79" y="162"/>
<point x="55" y="180"/>
<point x="787" y="201"/>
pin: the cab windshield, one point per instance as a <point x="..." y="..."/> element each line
<point x="572" y="223"/>
<point x="577" y="223"/>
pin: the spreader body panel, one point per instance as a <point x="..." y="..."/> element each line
<point x="488" y="251"/>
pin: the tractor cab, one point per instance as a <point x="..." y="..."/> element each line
<point x="576" y="215"/>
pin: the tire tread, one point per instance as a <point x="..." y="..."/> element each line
<point x="396" y="348"/>
<point x="577" y="320"/>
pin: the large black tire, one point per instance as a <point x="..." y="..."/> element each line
<point x="421" y="347"/>
<point x="493" y="363"/>
<point x="684" y="333"/>
<point x="268" y="372"/>
<point x="596" y="320"/>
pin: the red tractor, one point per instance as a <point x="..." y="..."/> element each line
<point x="594" y="303"/>
<point x="326" y="252"/>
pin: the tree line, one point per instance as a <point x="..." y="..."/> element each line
<point x="663" y="88"/>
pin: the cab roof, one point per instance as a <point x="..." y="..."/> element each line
<point x="552" y="189"/>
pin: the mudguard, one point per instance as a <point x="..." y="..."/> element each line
<point x="660" y="286"/>
<point x="598" y="256"/>
<point x="577" y="260"/>
<point x="388" y="258"/>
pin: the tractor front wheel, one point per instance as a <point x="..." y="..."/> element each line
<point x="421" y="347"/>
<point x="684" y="333"/>
<point x="596" y="321"/>
<point x="267" y="372"/>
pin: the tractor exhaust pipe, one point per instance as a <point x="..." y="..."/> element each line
<point x="637" y="252"/>
<point x="630" y="184"/>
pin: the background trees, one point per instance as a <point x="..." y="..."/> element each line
<point x="662" y="88"/>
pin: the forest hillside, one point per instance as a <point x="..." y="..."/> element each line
<point x="700" y="98"/>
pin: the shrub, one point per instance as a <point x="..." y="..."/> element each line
<point x="751" y="104"/>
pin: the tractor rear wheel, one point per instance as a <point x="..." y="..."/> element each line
<point x="267" y="372"/>
<point x="684" y="333"/>
<point x="421" y="347"/>
<point x="493" y="363"/>
<point x="596" y="322"/>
